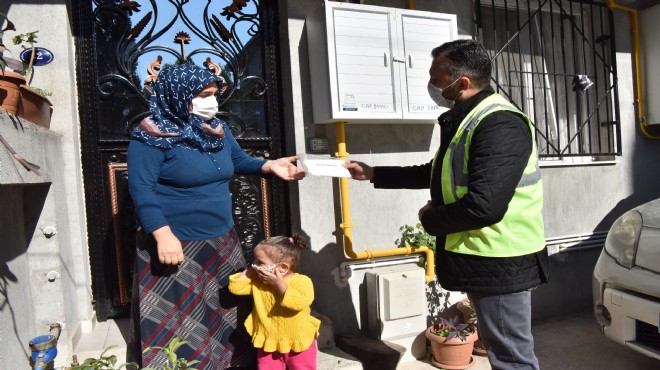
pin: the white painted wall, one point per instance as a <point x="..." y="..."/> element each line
<point x="648" y="31"/>
<point x="35" y="301"/>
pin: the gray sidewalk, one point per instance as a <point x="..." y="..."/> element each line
<point x="567" y="343"/>
<point x="571" y="343"/>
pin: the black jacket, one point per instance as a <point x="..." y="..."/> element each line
<point x="500" y="148"/>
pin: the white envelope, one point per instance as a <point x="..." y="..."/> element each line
<point x="325" y="167"/>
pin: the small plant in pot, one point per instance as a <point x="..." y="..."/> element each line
<point x="10" y="82"/>
<point x="34" y="106"/>
<point x="416" y="236"/>
<point x="452" y="342"/>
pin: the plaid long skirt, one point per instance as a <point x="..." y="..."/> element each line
<point x="191" y="301"/>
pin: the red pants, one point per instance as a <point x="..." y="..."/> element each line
<point x="305" y="360"/>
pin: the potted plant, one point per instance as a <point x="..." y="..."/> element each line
<point x="10" y="82"/>
<point x="416" y="236"/>
<point x="437" y="299"/>
<point x="34" y="106"/>
<point x="452" y="342"/>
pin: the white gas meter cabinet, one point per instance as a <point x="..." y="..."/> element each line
<point x="370" y="64"/>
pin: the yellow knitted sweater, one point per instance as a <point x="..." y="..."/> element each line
<point x="279" y="324"/>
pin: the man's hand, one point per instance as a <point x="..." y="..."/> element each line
<point x="169" y="247"/>
<point x="284" y="168"/>
<point x="359" y="170"/>
<point x="426" y="207"/>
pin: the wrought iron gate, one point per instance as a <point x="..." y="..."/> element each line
<point x="555" y="60"/>
<point x="121" y="45"/>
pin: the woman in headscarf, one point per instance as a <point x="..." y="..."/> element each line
<point x="180" y="161"/>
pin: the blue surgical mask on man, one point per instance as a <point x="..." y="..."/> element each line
<point x="436" y="94"/>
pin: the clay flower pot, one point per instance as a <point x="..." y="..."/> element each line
<point x="453" y="353"/>
<point x="35" y="107"/>
<point x="10" y="93"/>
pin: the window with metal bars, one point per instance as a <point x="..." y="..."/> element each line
<point x="555" y="61"/>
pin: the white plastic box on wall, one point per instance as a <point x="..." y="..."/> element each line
<point x="369" y="64"/>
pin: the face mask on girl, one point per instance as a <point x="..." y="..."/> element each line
<point x="205" y="108"/>
<point x="436" y="94"/>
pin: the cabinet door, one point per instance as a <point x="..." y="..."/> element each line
<point x="421" y="32"/>
<point x="366" y="83"/>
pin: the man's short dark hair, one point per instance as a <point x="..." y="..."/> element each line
<point x="466" y="58"/>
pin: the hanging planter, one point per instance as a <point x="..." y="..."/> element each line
<point x="35" y="107"/>
<point x="10" y="92"/>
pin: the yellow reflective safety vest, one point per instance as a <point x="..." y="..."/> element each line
<point x="521" y="231"/>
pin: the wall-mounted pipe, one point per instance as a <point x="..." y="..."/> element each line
<point x="347" y="268"/>
<point x="634" y="29"/>
<point x="347" y="227"/>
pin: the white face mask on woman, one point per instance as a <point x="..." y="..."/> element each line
<point x="436" y="94"/>
<point x="205" y="108"/>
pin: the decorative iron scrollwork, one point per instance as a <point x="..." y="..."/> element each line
<point x="221" y="36"/>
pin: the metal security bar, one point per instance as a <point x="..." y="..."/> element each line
<point x="555" y="60"/>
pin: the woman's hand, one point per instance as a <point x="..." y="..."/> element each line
<point x="284" y="168"/>
<point x="169" y="247"/>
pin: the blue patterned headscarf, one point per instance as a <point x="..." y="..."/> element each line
<point x="171" y="122"/>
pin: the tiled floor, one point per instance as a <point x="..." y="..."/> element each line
<point x="568" y="343"/>
<point x="111" y="335"/>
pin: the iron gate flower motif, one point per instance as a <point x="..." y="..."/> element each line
<point x="219" y="35"/>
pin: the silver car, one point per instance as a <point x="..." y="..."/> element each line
<point x="626" y="282"/>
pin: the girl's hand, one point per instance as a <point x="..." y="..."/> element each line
<point x="274" y="279"/>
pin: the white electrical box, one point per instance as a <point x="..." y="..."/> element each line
<point x="370" y="64"/>
<point x="396" y="302"/>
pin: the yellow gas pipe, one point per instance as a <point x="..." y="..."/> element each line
<point x="347" y="227"/>
<point x="634" y="28"/>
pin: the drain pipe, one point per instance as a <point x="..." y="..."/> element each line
<point x="634" y="29"/>
<point x="347" y="227"/>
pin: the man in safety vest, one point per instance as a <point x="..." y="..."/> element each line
<point x="486" y="201"/>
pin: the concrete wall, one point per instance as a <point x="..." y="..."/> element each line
<point x="32" y="203"/>
<point x="578" y="199"/>
<point x="649" y="28"/>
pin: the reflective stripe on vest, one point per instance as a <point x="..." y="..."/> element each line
<point x="521" y="230"/>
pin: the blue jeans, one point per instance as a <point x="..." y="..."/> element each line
<point x="505" y="329"/>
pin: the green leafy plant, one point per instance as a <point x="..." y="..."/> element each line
<point x="29" y="38"/>
<point x="416" y="236"/>
<point x="109" y="362"/>
<point x="453" y="328"/>
<point x="103" y="362"/>
<point x="173" y="361"/>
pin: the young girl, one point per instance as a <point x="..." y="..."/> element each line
<point x="280" y="324"/>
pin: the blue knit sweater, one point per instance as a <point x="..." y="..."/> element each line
<point x="186" y="189"/>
